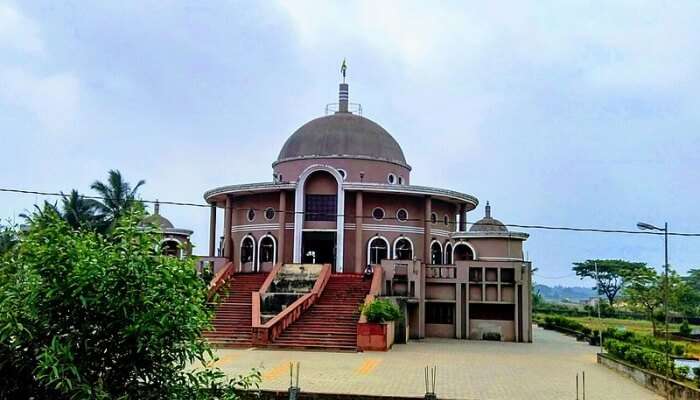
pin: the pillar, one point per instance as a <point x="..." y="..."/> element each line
<point x="458" y="310"/>
<point x="462" y="218"/>
<point x="359" y="260"/>
<point x="228" y="248"/>
<point x="282" y="222"/>
<point x="212" y="230"/>
<point x="427" y="233"/>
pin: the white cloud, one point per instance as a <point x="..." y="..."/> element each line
<point x="19" y="32"/>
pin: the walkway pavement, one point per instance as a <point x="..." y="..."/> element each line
<point x="545" y="369"/>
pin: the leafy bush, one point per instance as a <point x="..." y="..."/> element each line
<point x="685" y="328"/>
<point x="89" y="316"/>
<point x="495" y="336"/>
<point x="381" y="310"/>
<point x="556" y="322"/>
<point x="650" y="342"/>
<point x="645" y="358"/>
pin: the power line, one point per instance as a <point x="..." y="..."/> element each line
<point x="370" y="217"/>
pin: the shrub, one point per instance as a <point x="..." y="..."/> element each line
<point x="495" y="336"/>
<point x="381" y="310"/>
<point x="642" y="357"/>
<point x="685" y="328"/>
<point x="645" y="341"/>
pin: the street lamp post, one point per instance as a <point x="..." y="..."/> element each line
<point x="649" y="227"/>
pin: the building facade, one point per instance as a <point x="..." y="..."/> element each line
<point x="341" y="194"/>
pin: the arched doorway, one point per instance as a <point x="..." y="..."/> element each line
<point x="267" y="253"/>
<point x="403" y="249"/>
<point x="247" y="254"/>
<point x="448" y="253"/>
<point x="377" y="250"/>
<point x="463" y="252"/>
<point x="436" y="253"/>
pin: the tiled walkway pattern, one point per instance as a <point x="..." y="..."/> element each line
<point x="545" y="369"/>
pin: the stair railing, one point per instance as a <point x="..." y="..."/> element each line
<point x="272" y="329"/>
<point x="257" y="296"/>
<point x="375" y="289"/>
<point x="220" y="279"/>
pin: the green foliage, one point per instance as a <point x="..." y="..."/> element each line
<point x="119" y="197"/>
<point x="611" y="276"/>
<point x="84" y="315"/>
<point x="556" y="322"/>
<point x="684" y="329"/>
<point x="645" y="341"/>
<point x="643" y="357"/>
<point x="381" y="310"/>
<point x="8" y="237"/>
<point x="82" y="213"/>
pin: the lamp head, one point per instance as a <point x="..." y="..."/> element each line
<point x="644" y="226"/>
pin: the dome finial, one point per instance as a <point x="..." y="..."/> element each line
<point x="343" y="96"/>
<point x="488" y="210"/>
<point x="156" y="208"/>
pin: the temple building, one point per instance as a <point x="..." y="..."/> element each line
<point x="175" y="241"/>
<point x="341" y="194"/>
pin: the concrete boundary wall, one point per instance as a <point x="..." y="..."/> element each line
<point x="650" y="380"/>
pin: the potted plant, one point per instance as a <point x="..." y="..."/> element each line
<point x="376" y="328"/>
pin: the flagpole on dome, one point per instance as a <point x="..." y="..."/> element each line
<point x="343" y="96"/>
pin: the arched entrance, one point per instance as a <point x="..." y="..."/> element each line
<point x="377" y="250"/>
<point x="403" y="249"/>
<point x="247" y="254"/>
<point x="436" y="253"/>
<point x="448" y="253"/>
<point x="267" y="253"/>
<point x="463" y="252"/>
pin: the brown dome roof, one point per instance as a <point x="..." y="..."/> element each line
<point x="488" y="224"/>
<point x="342" y="134"/>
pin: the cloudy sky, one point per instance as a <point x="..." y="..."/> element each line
<point x="560" y="113"/>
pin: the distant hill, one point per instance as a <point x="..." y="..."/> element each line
<point x="558" y="293"/>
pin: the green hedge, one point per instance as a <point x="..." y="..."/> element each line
<point x="643" y="357"/>
<point x="556" y="322"/>
<point x="645" y="341"/>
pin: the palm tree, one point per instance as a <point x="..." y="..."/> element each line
<point x="118" y="196"/>
<point x="80" y="212"/>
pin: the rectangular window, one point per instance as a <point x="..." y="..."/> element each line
<point x="321" y="207"/>
<point x="439" y="313"/>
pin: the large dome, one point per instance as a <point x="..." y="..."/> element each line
<point x="342" y="134"/>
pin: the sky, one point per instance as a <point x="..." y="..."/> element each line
<point x="572" y="113"/>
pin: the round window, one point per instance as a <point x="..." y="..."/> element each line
<point x="378" y="214"/>
<point x="391" y="178"/>
<point x="400" y="180"/>
<point x="402" y="215"/>
<point x="269" y="213"/>
<point x="251" y="215"/>
<point x="433" y="218"/>
<point x="447" y="220"/>
<point x="342" y="173"/>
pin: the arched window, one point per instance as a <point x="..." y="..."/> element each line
<point x="403" y="249"/>
<point x="463" y="252"/>
<point x="448" y="253"/>
<point x="170" y="247"/>
<point x="436" y="253"/>
<point x="247" y="249"/>
<point x="267" y="249"/>
<point x="377" y="250"/>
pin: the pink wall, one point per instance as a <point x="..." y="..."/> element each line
<point x="374" y="171"/>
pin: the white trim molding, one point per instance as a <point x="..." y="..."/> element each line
<point x="299" y="213"/>
<point x="240" y="251"/>
<point x="372" y="239"/>
<point x="460" y="243"/>
<point x="396" y="241"/>
<point x="274" y="250"/>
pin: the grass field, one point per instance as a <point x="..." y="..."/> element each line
<point x="637" y="326"/>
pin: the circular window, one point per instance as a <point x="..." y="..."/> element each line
<point x="433" y="218"/>
<point x="378" y="214"/>
<point x="391" y="178"/>
<point x="251" y="215"/>
<point x="269" y="213"/>
<point x="400" y="180"/>
<point x="342" y="173"/>
<point x="447" y="220"/>
<point x="402" y="214"/>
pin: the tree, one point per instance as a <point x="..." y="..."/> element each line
<point x="118" y="196"/>
<point x="83" y="315"/>
<point x="81" y="213"/>
<point x="612" y="275"/>
<point x="645" y="292"/>
<point x="8" y="237"/>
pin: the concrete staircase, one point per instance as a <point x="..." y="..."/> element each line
<point x="232" y="321"/>
<point x="331" y="323"/>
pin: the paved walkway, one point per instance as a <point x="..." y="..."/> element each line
<point x="545" y="369"/>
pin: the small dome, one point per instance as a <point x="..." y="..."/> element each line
<point x="342" y="134"/>
<point x="157" y="219"/>
<point x="488" y="224"/>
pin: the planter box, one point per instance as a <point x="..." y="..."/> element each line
<point x="650" y="380"/>
<point x="372" y="336"/>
